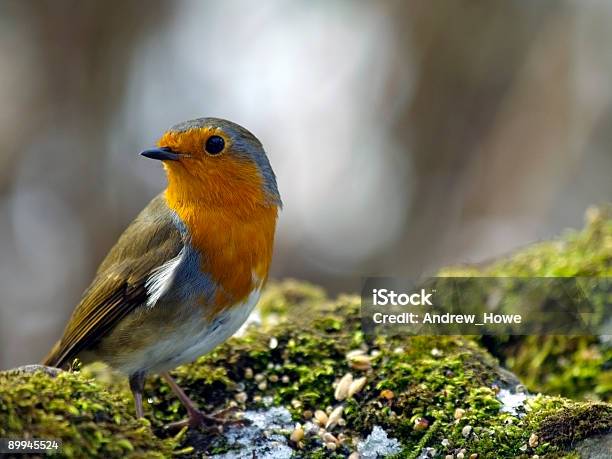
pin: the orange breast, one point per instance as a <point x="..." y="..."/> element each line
<point x="231" y="227"/>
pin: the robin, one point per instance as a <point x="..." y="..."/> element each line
<point x="187" y="272"/>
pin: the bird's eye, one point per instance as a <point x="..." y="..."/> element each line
<point x="214" y="145"/>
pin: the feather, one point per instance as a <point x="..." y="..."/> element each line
<point x="152" y="241"/>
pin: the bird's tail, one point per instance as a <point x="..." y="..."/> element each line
<point x="54" y="357"/>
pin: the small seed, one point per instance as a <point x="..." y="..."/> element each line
<point x="330" y="446"/>
<point x="248" y="373"/>
<point x="297" y="434"/>
<point x="295" y="403"/>
<point x="328" y="437"/>
<point x="241" y="397"/>
<point x="533" y="440"/>
<point x="436" y="352"/>
<point x="273" y="344"/>
<point x="307" y="415"/>
<point x="460" y="455"/>
<point x="334" y="417"/>
<point x="273" y="378"/>
<point x="354" y="353"/>
<point x="445" y="442"/>
<point x="343" y="386"/>
<point x="387" y="393"/>
<point x="361" y="362"/>
<point x="259" y="377"/>
<point x="285" y="379"/>
<point x="356" y="386"/>
<point x="321" y="417"/>
<point x="466" y="430"/>
<point x="459" y="412"/>
<point x="262" y="385"/>
<point x="473" y="456"/>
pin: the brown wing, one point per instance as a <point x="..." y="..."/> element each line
<point x="119" y="286"/>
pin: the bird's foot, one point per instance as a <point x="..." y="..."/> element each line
<point x="216" y="421"/>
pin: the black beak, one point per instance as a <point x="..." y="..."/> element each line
<point x="162" y="154"/>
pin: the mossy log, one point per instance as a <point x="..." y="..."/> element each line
<point x="311" y="384"/>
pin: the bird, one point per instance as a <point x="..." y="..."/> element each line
<point x="187" y="272"/>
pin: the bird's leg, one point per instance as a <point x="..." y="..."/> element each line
<point x="137" y="386"/>
<point x="196" y="417"/>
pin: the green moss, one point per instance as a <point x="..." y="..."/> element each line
<point x="575" y="367"/>
<point x="279" y="299"/>
<point x="582" y="253"/>
<point x="89" y="420"/>
<point x="564" y="423"/>
<point x="410" y="380"/>
<point x="428" y="392"/>
<point x="414" y="385"/>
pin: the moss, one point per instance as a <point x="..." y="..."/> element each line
<point x="281" y="299"/>
<point x="88" y="419"/>
<point x="566" y="423"/>
<point x="437" y="392"/>
<point x="411" y="382"/>
<point x="572" y="366"/>
<point x="582" y="253"/>
<point x="414" y="386"/>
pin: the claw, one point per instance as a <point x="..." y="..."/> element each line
<point x="215" y="421"/>
<point x="196" y="417"/>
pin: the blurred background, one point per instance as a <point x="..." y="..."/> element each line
<point x="406" y="135"/>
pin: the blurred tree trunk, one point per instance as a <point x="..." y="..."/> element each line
<point x="489" y="115"/>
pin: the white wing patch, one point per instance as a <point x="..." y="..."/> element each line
<point x="161" y="278"/>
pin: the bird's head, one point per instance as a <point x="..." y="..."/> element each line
<point x="215" y="162"/>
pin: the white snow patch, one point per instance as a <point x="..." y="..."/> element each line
<point x="511" y="402"/>
<point x="260" y="438"/>
<point x="378" y="444"/>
